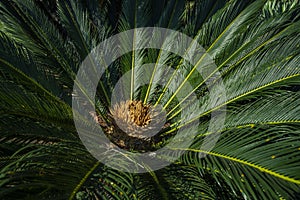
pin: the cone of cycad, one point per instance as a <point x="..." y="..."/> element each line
<point x="133" y="123"/>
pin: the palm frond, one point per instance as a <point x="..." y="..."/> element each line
<point x="256" y="169"/>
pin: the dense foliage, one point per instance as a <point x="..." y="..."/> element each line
<point x="255" y="45"/>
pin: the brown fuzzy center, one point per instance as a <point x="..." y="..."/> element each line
<point x="139" y="113"/>
<point x="132" y="123"/>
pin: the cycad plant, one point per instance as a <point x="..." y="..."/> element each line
<point x="254" y="46"/>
